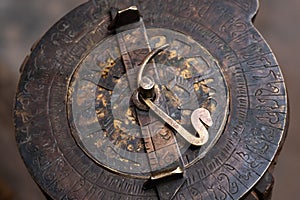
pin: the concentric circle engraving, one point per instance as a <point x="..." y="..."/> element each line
<point x="103" y="115"/>
<point x="66" y="93"/>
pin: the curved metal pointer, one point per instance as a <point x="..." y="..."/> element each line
<point x="147" y="59"/>
<point x="197" y="141"/>
<point x="198" y="116"/>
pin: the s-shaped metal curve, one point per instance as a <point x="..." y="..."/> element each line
<point x="203" y="134"/>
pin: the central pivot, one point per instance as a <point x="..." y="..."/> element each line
<point x="147" y="87"/>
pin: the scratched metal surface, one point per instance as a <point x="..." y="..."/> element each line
<point x="35" y="17"/>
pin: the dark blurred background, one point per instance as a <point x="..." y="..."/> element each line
<point x="23" y="22"/>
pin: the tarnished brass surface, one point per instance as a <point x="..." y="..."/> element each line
<point x="189" y="78"/>
<point x="78" y="133"/>
<point x="197" y="141"/>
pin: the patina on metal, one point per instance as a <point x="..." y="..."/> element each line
<point x="89" y="126"/>
<point x="146" y="86"/>
<point x="162" y="149"/>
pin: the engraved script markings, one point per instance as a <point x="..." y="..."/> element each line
<point x="199" y="63"/>
<point x="250" y="56"/>
<point x="262" y="61"/>
<point x="69" y="61"/>
<point x="58" y="182"/>
<point x="242" y="89"/>
<point x="268" y="96"/>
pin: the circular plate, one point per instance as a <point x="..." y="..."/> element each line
<point x="253" y="133"/>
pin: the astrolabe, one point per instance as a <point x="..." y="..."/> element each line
<point x="152" y="100"/>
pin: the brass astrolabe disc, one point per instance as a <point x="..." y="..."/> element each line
<point x="152" y="100"/>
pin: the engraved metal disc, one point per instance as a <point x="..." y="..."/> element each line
<point x="100" y="110"/>
<point x="75" y="126"/>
